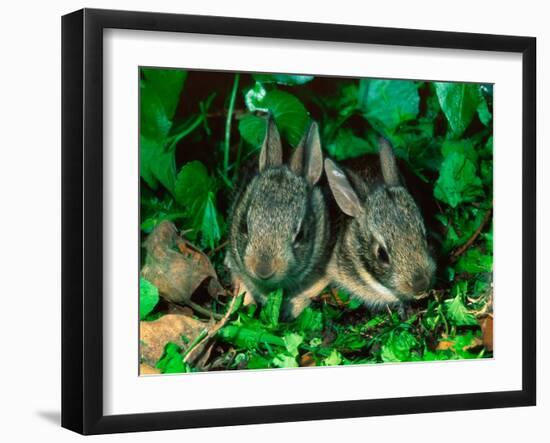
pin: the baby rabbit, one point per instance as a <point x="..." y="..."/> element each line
<point x="279" y="230"/>
<point x="381" y="254"/>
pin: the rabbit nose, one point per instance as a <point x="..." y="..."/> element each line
<point x="420" y="282"/>
<point x="264" y="270"/>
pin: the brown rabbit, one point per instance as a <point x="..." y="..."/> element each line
<point x="381" y="254"/>
<point x="279" y="228"/>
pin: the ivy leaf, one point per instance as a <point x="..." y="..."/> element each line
<point x="347" y="145"/>
<point x="272" y="309"/>
<point x="459" y="102"/>
<point x="465" y="147"/>
<point x="398" y="347"/>
<point x="388" y="103"/>
<point x="283" y="79"/>
<point x="148" y="297"/>
<point x="458" y="182"/>
<point x="289" y="113"/>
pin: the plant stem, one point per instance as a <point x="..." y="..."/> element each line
<point x="228" y="124"/>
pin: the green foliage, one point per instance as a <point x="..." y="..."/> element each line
<point x="148" y="297"/>
<point x="171" y="361"/>
<point x="389" y="103"/>
<point x="197" y="138"/>
<point x="459" y="102"/>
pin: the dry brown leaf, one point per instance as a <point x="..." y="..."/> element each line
<point x="175" y="266"/>
<point x="147" y="370"/>
<point x="443" y="345"/>
<point x="154" y="335"/>
<point x="487" y="332"/>
<point x="307" y="360"/>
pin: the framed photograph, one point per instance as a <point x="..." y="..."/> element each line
<point x="269" y="221"/>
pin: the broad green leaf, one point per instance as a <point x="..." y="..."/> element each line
<point x="171" y="361"/>
<point x="465" y="147"/>
<point x="389" y="103"/>
<point x="148" y="297"/>
<point x="458" y="182"/>
<point x="160" y="91"/>
<point x="283" y="79"/>
<point x="398" y="347"/>
<point x="252" y="128"/>
<point x="347" y="145"/>
<point x="474" y="261"/>
<point x="193" y="185"/>
<point x="272" y="309"/>
<point x="459" y="102"/>
<point x="290" y="115"/>
<point x="195" y="191"/>
<point x="156" y="165"/>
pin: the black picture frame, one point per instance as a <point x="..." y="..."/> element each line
<point x="82" y="218"/>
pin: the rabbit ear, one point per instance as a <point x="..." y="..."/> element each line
<point x="345" y="196"/>
<point x="307" y="159"/>
<point x="390" y="172"/>
<point x="272" y="151"/>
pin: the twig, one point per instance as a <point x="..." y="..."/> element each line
<point x="457" y="253"/>
<point x="228" y="124"/>
<point x="193" y="350"/>
<point x="216" y="249"/>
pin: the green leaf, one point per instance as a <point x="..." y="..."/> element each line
<point x="464" y="147"/>
<point x="249" y="338"/>
<point x="483" y="112"/>
<point x="310" y="320"/>
<point x="283" y="79"/>
<point x="258" y="362"/>
<point x="160" y="91"/>
<point x="156" y="165"/>
<point x="457" y="313"/>
<point x="458" y="182"/>
<point x="389" y="103"/>
<point x="195" y="191"/>
<point x="289" y="113"/>
<point x="474" y="261"/>
<point x="347" y="145"/>
<point x="148" y="297"/>
<point x="334" y="359"/>
<point x="171" y="361"/>
<point x="252" y="128"/>
<point x="292" y="342"/>
<point x="398" y="347"/>
<point x="272" y="309"/>
<point x="285" y="361"/>
<point x="459" y="102"/>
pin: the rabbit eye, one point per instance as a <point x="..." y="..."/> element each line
<point x="244" y="227"/>
<point x="382" y="255"/>
<point x="299" y="236"/>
